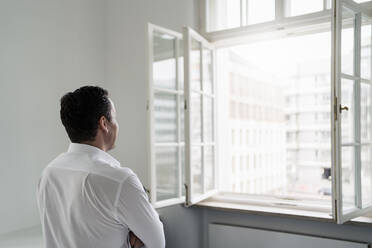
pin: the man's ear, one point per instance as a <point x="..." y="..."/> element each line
<point x="102" y="124"/>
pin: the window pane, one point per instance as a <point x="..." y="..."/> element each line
<point x="278" y="117"/>
<point x="208" y="119"/>
<point x="348" y="177"/>
<point x="209" y="167"/>
<point x="365" y="112"/>
<point x="301" y="7"/>
<point x="207" y="71"/>
<point x="366" y="176"/>
<point x="182" y="121"/>
<point x="260" y="11"/>
<point x="166" y="172"/>
<point x="347" y="42"/>
<point x="196" y="117"/>
<point x="223" y="14"/>
<point x="164" y="65"/>
<point x="165" y="117"/>
<point x="195" y="65"/>
<point x="366" y="50"/>
<point x="233" y="13"/>
<point x="347" y="116"/>
<point x="196" y="164"/>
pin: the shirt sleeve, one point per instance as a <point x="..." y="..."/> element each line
<point x="135" y="211"/>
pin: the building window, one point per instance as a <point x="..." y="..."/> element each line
<point x="288" y="125"/>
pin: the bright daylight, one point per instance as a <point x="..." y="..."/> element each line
<point x="278" y="116"/>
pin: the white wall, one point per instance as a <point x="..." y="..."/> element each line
<point x="47" y="47"/>
<point x="126" y="67"/>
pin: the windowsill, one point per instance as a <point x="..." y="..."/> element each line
<point x="290" y="209"/>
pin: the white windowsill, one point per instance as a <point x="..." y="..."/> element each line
<point x="282" y="208"/>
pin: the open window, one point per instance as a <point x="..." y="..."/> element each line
<point x="316" y="122"/>
<point x="200" y="118"/>
<point x="166" y="112"/>
<point x="352" y="94"/>
<point x="181" y="117"/>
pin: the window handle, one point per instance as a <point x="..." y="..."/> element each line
<point x="343" y="108"/>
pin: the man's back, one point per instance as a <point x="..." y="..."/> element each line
<point x="87" y="200"/>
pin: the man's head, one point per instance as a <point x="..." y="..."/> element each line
<point x="89" y="117"/>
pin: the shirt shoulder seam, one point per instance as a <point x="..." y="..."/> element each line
<point x="92" y="173"/>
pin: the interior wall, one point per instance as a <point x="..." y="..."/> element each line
<point x="47" y="47"/>
<point x="183" y="227"/>
<point x="127" y="68"/>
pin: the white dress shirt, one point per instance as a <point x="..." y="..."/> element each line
<point x="86" y="199"/>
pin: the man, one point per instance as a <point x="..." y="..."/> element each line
<point x="86" y="199"/>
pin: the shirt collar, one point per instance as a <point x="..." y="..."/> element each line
<point x="93" y="152"/>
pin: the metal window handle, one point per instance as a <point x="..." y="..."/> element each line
<point x="344" y="108"/>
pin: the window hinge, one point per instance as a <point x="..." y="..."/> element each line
<point x="186" y="195"/>
<point x="147" y="105"/>
<point x="336" y="109"/>
<point x="185" y="104"/>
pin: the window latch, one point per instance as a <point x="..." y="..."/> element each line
<point x="344" y="108"/>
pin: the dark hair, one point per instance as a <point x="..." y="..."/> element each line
<point x="81" y="111"/>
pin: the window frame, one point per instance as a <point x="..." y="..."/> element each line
<point x="283" y="26"/>
<point x="281" y="11"/>
<point x="280" y="27"/>
<point x="337" y="76"/>
<point x="151" y="124"/>
<point x="191" y="199"/>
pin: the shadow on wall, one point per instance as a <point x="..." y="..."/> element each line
<point x="182" y="226"/>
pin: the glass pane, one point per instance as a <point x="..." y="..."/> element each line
<point x="276" y="117"/>
<point x="196" y="163"/>
<point x="328" y="4"/>
<point x="166" y="172"/>
<point x="182" y="122"/>
<point x="365" y="112"/>
<point x="208" y="119"/>
<point x="164" y="64"/>
<point x="348" y="177"/>
<point x="207" y="71"/>
<point x="223" y="14"/>
<point x="260" y="11"/>
<point x="347" y="116"/>
<point x="301" y="7"/>
<point x="196" y="117"/>
<point x="165" y="117"/>
<point x="209" y="167"/>
<point x="195" y="65"/>
<point x="366" y="50"/>
<point x="233" y="13"/>
<point x="366" y="176"/>
<point x="347" y="42"/>
<point x="181" y="65"/>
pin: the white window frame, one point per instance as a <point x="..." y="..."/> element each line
<point x="284" y="26"/>
<point x="281" y="11"/>
<point x="150" y="114"/>
<point x="191" y="199"/>
<point x="281" y="27"/>
<point x="337" y="197"/>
